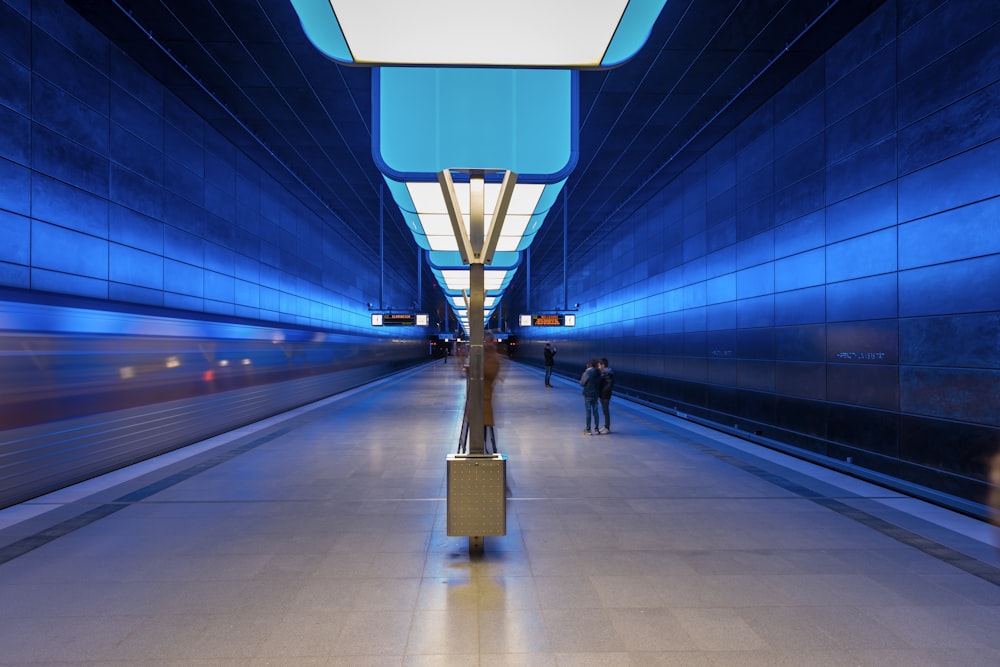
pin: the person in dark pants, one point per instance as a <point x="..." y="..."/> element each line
<point x="591" y="383"/>
<point x="550" y="361"/>
<point x="607" y="386"/>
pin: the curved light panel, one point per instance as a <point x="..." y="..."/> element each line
<point x="514" y="33"/>
<point x="431" y="118"/>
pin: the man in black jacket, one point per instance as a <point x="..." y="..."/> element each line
<point x="607" y="386"/>
<point x="550" y="360"/>
<point x="591" y="383"/>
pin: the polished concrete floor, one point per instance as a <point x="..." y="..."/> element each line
<point x="319" y="538"/>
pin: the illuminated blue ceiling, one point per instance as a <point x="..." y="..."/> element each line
<point x="707" y="65"/>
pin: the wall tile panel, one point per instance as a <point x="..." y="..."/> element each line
<point x="962" y="233"/>
<point x="968" y="341"/>
<point x="755" y="312"/>
<point x="969" y="122"/>
<point x="802" y="90"/>
<point x="802" y="306"/>
<point x="58" y="282"/>
<point x="863" y="385"/>
<point x="870" y="167"/>
<point x="862" y="299"/>
<point x="807" y="158"/>
<point x="867" y="255"/>
<point x="135" y="267"/>
<point x="853" y="52"/>
<point x="17" y="238"/>
<point x="807" y="269"/>
<point x="803" y="197"/>
<point x="135" y="230"/>
<point x="965" y="178"/>
<point x="867" y="212"/>
<point x="67" y="251"/>
<point x="933" y="34"/>
<point x="800" y="343"/>
<point x="801" y="234"/>
<point x="969" y="67"/>
<point x="60" y="203"/>
<point x="63" y="114"/>
<point x="870" y="79"/>
<point x="15" y="275"/>
<point x="62" y="159"/>
<point x="15" y="38"/>
<point x="869" y="125"/>
<point x="15" y="85"/>
<point x="957" y="287"/>
<point x="136" y="155"/>
<point x="803" y="125"/>
<point x="800" y="379"/>
<point x="140" y="194"/>
<point x="53" y="63"/>
<point x="137" y="118"/>
<point x="15" y="187"/>
<point x="969" y="395"/>
<point x="64" y="25"/>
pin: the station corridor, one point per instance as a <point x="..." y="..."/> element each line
<point x="319" y="538"/>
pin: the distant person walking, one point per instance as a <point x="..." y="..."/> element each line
<point x="550" y="361"/>
<point x="591" y="383"/>
<point x="607" y="386"/>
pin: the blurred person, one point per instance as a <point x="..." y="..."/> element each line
<point x="550" y="361"/>
<point x="994" y="497"/>
<point x="607" y="386"/>
<point x="491" y="374"/>
<point x="591" y="383"/>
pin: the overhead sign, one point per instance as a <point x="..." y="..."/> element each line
<point x="548" y="320"/>
<point x="400" y="319"/>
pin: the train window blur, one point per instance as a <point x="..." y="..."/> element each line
<point x="60" y="362"/>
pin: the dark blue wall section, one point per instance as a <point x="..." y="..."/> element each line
<point x="112" y="189"/>
<point x="828" y="275"/>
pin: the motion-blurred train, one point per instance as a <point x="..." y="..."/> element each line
<point x="86" y="391"/>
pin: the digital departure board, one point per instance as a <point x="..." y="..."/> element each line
<point x="548" y="320"/>
<point x="399" y="319"/>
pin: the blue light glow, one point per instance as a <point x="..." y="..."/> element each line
<point x="430" y="119"/>
<point x="322" y="28"/>
<point x="633" y="31"/>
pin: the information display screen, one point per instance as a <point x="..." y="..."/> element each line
<point x="399" y="319"/>
<point x="547" y="320"/>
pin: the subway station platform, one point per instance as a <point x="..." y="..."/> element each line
<point x="319" y="538"/>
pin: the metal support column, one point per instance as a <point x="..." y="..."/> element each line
<point x="476" y="482"/>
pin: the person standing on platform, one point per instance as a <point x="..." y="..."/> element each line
<point x="491" y="373"/>
<point x="607" y="386"/>
<point x="591" y="383"/>
<point x="550" y="361"/>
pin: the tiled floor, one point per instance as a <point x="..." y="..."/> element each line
<point x="319" y="539"/>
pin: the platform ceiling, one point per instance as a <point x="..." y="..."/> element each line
<point x="247" y="67"/>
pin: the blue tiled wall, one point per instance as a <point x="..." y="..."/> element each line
<point x="111" y="188"/>
<point x="829" y="273"/>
